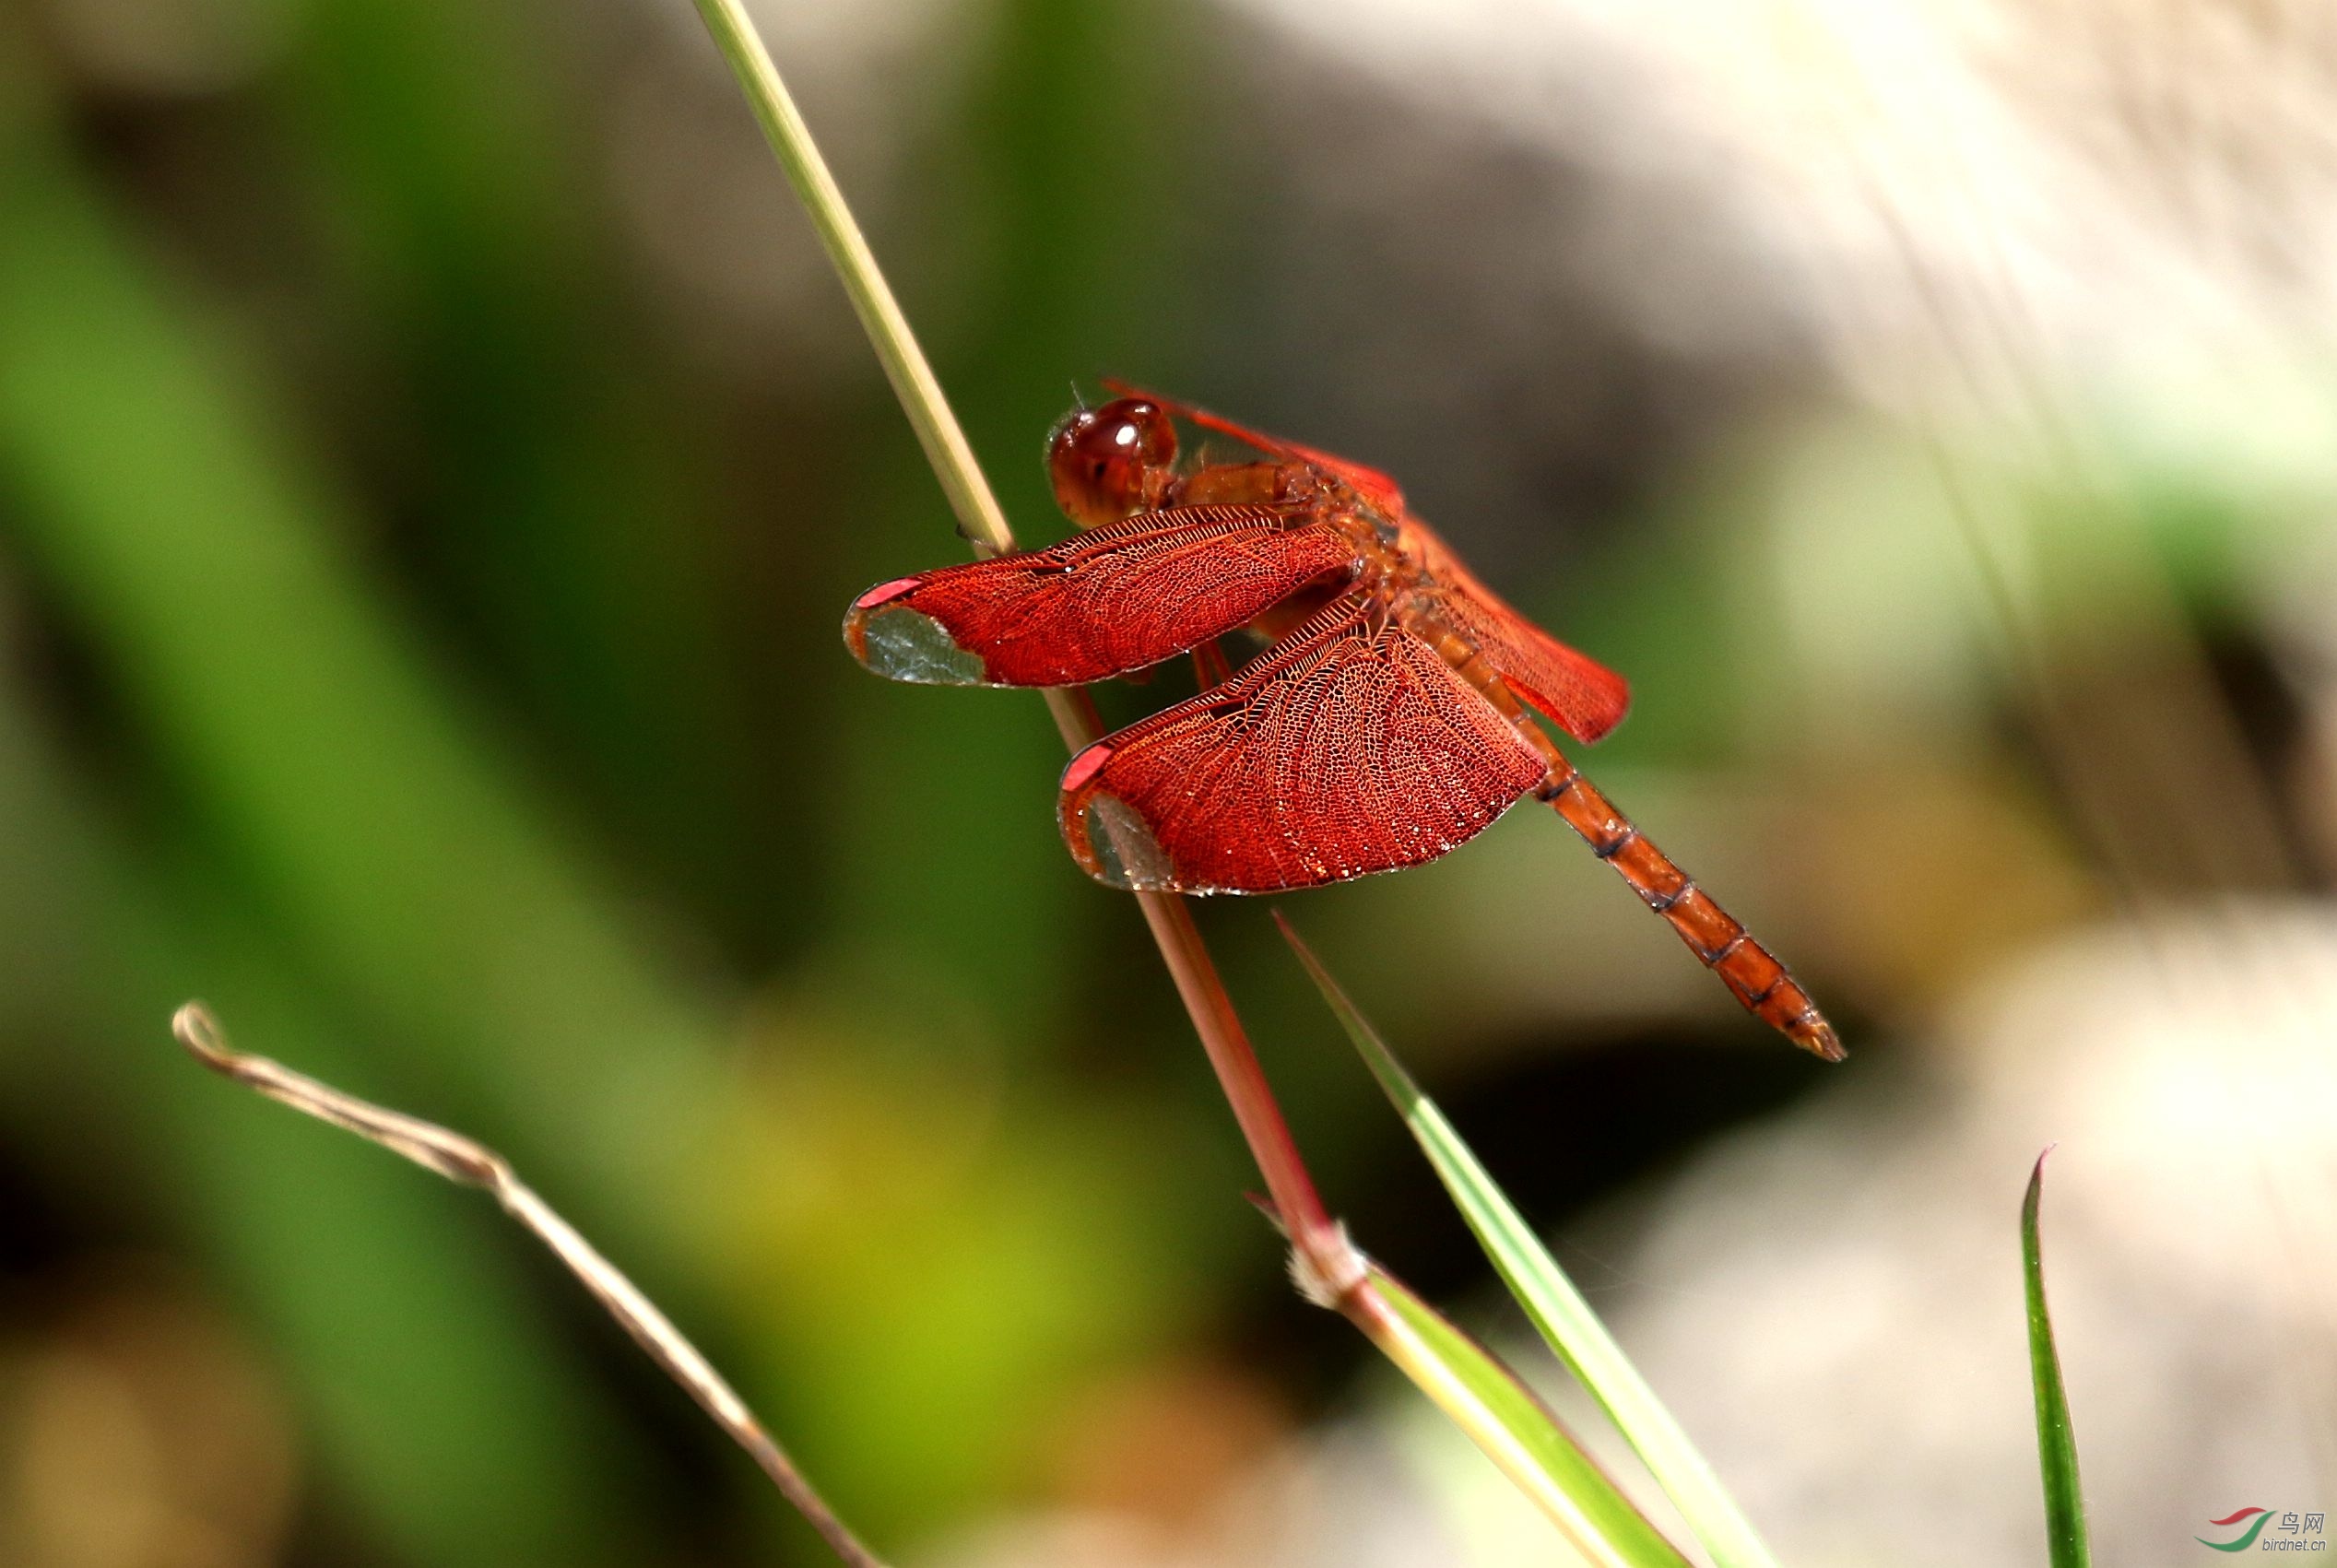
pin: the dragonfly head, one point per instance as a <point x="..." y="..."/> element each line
<point x="1111" y="462"/>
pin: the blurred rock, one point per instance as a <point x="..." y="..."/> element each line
<point x="1833" y="1303"/>
<point x="1960" y="186"/>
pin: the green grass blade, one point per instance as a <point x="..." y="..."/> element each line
<point x="2056" y="1442"/>
<point x="1516" y="1431"/>
<point x="1549" y="1298"/>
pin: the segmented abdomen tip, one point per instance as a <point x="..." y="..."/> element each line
<point x="1818" y="1038"/>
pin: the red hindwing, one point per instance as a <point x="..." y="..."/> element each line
<point x="1347" y="748"/>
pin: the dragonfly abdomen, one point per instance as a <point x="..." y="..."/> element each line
<point x="1717" y="939"/>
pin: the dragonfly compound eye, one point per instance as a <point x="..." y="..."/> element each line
<point x="1111" y="462"/>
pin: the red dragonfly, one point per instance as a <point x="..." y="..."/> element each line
<point x="1384" y="724"/>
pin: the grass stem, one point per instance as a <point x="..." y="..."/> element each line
<point x="1549" y="1297"/>
<point x="1319" y="1243"/>
<point x="461" y="1159"/>
<point x="1481" y="1397"/>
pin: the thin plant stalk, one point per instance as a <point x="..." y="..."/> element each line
<point x="471" y="1163"/>
<point x="1486" y="1398"/>
<point x="1538" y="1454"/>
<point x="1317" y="1239"/>
<point x="1327" y="1265"/>
<point x="1549" y="1297"/>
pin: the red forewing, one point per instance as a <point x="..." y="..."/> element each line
<point x="1350" y="747"/>
<point x="1581" y="696"/>
<point x="1101" y="603"/>
<point x="1374" y="486"/>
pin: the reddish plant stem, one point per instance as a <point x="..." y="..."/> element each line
<point x="1240" y="1074"/>
<point x="1332" y="1270"/>
<point x="1329" y="1266"/>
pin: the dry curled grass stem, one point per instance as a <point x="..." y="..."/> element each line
<point x="463" y="1159"/>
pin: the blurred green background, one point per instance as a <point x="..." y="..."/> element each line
<point x="433" y="461"/>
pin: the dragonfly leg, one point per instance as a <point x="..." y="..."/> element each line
<point x="1210" y="667"/>
<point x="1750" y="970"/>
